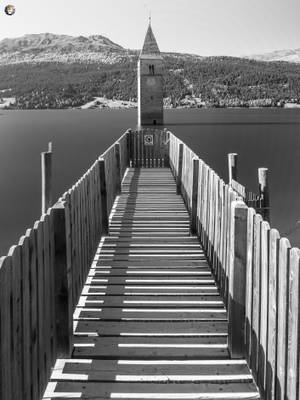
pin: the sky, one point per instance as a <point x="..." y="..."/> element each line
<point x="204" y="27"/>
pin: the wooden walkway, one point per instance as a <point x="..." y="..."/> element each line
<point x="150" y="323"/>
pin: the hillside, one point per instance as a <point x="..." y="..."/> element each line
<point x="290" y="55"/>
<point x="60" y="71"/>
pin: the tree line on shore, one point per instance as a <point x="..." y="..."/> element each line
<point x="217" y="81"/>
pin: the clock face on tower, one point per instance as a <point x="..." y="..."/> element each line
<point x="151" y="81"/>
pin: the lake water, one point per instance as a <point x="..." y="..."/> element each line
<point x="262" y="138"/>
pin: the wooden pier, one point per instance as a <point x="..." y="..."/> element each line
<point x="150" y="279"/>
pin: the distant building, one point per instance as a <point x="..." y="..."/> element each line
<point x="150" y="83"/>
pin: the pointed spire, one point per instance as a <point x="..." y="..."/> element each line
<point x="150" y="45"/>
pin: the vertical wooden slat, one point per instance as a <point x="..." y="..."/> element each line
<point x="283" y="289"/>
<point x="195" y="182"/>
<point x="27" y="378"/>
<point x="47" y="294"/>
<point x="179" y="171"/>
<point x="62" y="279"/>
<point x="231" y="197"/>
<point x="271" y="369"/>
<point x="17" y="327"/>
<point x="41" y="306"/>
<point x="33" y="312"/>
<point x="249" y="282"/>
<point x="256" y="274"/>
<point x="104" y="210"/>
<point x="237" y="278"/>
<point x="224" y="245"/>
<point x="5" y="328"/>
<point x="262" y="353"/>
<point x="293" y="349"/>
<point x="221" y="233"/>
<point x="199" y="200"/>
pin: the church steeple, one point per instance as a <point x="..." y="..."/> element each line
<point x="150" y="46"/>
<point x="150" y="82"/>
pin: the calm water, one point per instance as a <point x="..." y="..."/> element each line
<point x="262" y="138"/>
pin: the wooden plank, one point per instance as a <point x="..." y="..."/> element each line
<point x="264" y="306"/>
<point x="154" y="348"/>
<point x="145" y="280"/>
<point x="107" y="370"/>
<point x="155" y="328"/>
<point x="17" y="335"/>
<point x="149" y="314"/>
<point x="5" y="328"/>
<point x="209" y="301"/>
<point x="293" y="351"/>
<point x="179" y="169"/>
<point x="271" y="370"/>
<point x="33" y="265"/>
<point x="249" y="283"/>
<point x="256" y="297"/>
<point x="283" y="288"/>
<point x="62" y="284"/>
<point x="52" y="287"/>
<point x="237" y="278"/>
<point x="39" y="227"/>
<point x="26" y="301"/>
<point x="47" y="294"/>
<point x="104" y="209"/>
<point x="117" y="390"/>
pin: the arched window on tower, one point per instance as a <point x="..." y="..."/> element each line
<point x="151" y="69"/>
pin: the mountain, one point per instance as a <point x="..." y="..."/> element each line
<point x="292" y="56"/>
<point x="48" y="47"/>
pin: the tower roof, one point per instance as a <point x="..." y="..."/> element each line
<point x="150" y="47"/>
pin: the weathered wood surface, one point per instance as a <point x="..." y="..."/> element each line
<point x="41" y="278"/>
<point x="271" y="336"/>
<point x="149" y="148"/>
<point x="150" y="284"/>
<point x="150" y="311"/>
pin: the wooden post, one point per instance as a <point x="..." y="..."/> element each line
<point x="179" y="172"/>
<point x="232" y="167"/>
<point x="194" y="195"/>
<point x="237" y="278"/>
<point x="129" y="147"/>
<point x="103" y="190"/>
<point x="263" y="186"/>
<point x="62" y="284"/>
<point x="118" y="169"/>
<point x="46" y="159"/>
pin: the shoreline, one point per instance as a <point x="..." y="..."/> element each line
<point x="127" y="109"/>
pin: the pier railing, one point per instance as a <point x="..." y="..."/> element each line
<point x="257" y="270"/>
<point x="42" y="276"/>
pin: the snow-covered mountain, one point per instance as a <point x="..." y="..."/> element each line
<point x="59" y="48"/>
<point x="49" y="47"/>
<point x="279" y="55"/>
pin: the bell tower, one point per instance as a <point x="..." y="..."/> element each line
<point x="150" y="82"/>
